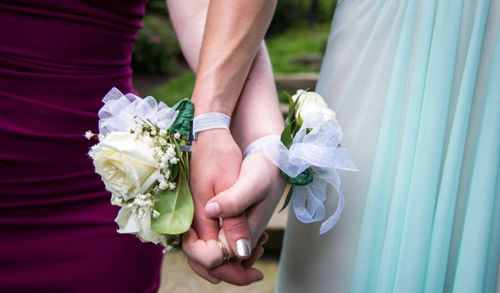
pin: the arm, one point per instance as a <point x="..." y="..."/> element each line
<point x="258" y="102"/>
<point x="214" y="91"/>
<point x="233" y="33"/>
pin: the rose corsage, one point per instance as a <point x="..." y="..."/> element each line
<point x="309" y="154"/>
<point x="142" y="158"/>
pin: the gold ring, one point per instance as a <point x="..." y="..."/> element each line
<point x="225" y="255"/>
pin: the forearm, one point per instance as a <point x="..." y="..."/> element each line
<point x="232" y="33"/>
<point x="257" y="112"/>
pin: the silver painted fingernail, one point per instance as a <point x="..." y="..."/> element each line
<point x="243" y="248"/>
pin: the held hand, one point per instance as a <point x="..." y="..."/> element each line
<point x="259" y="185"/>
<point x="256" y="192"/>
<point x="205" y="257"/>
<point x="215" y="165"/>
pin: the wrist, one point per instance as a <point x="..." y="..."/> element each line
<point x="210" y="121"/>
<point x="246" y="139"/>
<point x="208" y="97"/>
<point x="269" y="143"/>
<point x="210" y="105"/>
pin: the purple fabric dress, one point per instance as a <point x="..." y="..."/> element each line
<point x="58" y="58"/>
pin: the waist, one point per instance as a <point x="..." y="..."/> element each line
<point x="61" y="41"/>
<point x="45" y="167"/>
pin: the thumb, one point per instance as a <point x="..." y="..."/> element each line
<point x="237" y="235"/>
<point x="235" y="200"/>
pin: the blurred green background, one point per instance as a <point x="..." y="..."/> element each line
<point x="296" y="40"/>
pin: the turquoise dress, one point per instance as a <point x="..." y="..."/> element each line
<point x="416" y="87"/>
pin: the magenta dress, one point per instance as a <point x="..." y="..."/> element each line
<point x="58" y="58"/>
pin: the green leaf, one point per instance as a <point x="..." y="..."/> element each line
<point x="286" y="135"/>
<point x="175" y="170"/>
<point x="290" y="123"/>
<point x="182" y="123"/>
<point x="291" y="109"/>
<point x="176" y="209"/>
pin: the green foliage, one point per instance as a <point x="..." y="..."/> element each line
<point x="292" y="126"/>
<point x="157" y="50"/>
<point x="158" y="7"/>
<point x="302" y="179"/>
<point x="294" y="43"/>
<point x="176" y="89"/>
<point x="176" y="209"/>
<point x="300" y="13"/>
<point x="282" y="49"/>
<point x="290" y="123"/>
<point x="156" y="47"/>
<point x="182" y="123"/>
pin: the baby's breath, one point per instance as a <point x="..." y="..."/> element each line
<point x="142" y="205"/>
<point x="89" y="134"/>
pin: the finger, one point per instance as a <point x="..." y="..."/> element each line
<point x="206" y="253"/>
<point x="237" y="234"/>
<point x="232" y="272"/>
<point x="235" y="200"/>
<point x="262" y="239"/>
<point x="257" y="252"/>
<point x="256" y="255"/>
<point x="236" y="274"/>
<point x="202" y="190"/>
<point x="208" y="228"/>
<point x="202" y="272"/>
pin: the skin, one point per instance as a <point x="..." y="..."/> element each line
<point x="224" y="75"/>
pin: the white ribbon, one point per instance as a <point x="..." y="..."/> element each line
<point x="210" y="120"/>
<point x="314" y="146"/>
<point x="120" y="112"/>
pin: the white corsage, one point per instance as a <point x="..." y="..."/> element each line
<point x="309" y="155"/>
<point x="141" y="160"/>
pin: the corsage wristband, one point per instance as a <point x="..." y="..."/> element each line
<point x="209" y="121"/>
<point x="264" y="142"/>
<point x="309" y="156"/>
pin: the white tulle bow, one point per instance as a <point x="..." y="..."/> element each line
<point x="120" y="112"/>
<point x="315" y="146"/>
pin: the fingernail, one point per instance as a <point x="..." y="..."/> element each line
<point x="212" y="209"/>
<point x="243" y="248"/>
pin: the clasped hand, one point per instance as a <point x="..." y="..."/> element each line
<point x="234" y="200"/>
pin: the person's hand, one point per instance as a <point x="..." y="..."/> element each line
<point x="215" y="165"/>
<point x="256" y="192"/>
<point x="204" y="258"/>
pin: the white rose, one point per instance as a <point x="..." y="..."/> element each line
<point x="309" y="103"/>
<point x="126" y="164"/>
<point x="130" y="223"/>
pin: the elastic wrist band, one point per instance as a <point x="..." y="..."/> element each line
<point x="264" y="142"/>
<point x="210" y="120"/>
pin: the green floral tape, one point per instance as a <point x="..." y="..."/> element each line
<point x="182" y="123"/>
<point x="302" y="179"/>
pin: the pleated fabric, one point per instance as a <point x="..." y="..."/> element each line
<point x="416" y="86"/>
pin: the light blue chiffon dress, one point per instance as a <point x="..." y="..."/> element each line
<point x="416" y="87"/>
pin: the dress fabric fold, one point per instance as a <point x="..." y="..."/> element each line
<point x="415" y="85"/>
<point x="58" y="58"/>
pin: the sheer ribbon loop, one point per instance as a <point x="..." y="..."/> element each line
<point x="120" y="112"/>
<point x="315" y="147"/>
